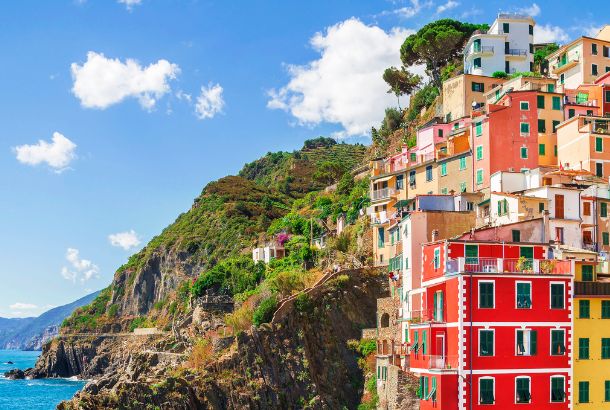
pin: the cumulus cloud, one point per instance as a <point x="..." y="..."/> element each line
<point x="130" y="3"/>
<point x="451" y="4"/>
<point x="209" y="102"/>
<point x="57" y="154"/>
<point x="410" y="11"/>
<point x="344" y="85"/>
<point x="23" y="306"/>
<point x="82" y="269"/>
<point x="101" y="82"/>
<point x="532" y="10"/>
<point x="126" y="240"/>
<point x="549" y="34"/>
<point x="592" y="31"/>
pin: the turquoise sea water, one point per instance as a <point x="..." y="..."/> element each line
<point x="43" y="394"/>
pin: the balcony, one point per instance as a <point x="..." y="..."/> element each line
<point x="591" y="288"/>
<point x="480" y="51"/>
<point x="595" y="125"/>
<point x="565" y="63"/>
<point x="425" y="316"/>
<point x="516" y="52"/>
<point x="504" y="265"/>
<point x="382" y="194"/>
<point x="434" y="362"/>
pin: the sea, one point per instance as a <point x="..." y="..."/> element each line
<point x="40" y="394"/>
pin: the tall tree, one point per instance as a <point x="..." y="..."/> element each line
<point x="401" y="82"/>
<point x="436" y="44"/>
<point x="540" y="57"/>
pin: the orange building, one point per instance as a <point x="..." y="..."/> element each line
<point x="584" y="144"/>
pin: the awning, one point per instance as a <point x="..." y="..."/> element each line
<point x="485" y="202"/>
<point x="403" y="203"/>
<point x="382" y="179"/>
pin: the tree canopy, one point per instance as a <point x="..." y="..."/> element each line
<point x="436" y="44"/>
<point x="401" y="81"/>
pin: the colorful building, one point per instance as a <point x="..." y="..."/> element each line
<point x="461" y="92"/>
<point x="584" y="144"/>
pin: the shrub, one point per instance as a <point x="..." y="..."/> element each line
<point x="241" y="319"/>
<point x="140" y="321"/>
<point x="303" y="303"/>
<point x="264" y="312"/>
<point x="113" y="310"/>
<point x="232" y="276"/>
<point x="367" y="346"/>
<point x="499" y="74"/>
<point x="201" y="353"/>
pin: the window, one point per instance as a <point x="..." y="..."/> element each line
<point x="437" y="258"/>
<point x="599" y="144"/>
<point x="523" y="389"/>
<point x="605" y="309"/>
<point x="462" y="186"/>
<point x="584" y="309"/>
<point x="486" y="342"/>
<point x="558" y="347"/>
<point x="606" y="51"/>
<point x="558" y="390"/>
<point x="556" y="103"/>
<point x="594" y="49"/>
<point x="524" y="295"/>
<point x="587" y="273"/>
<point x="531" y="52"/>
<point x="571" y="112"/>
<point x="486" y="295"/>
<point x="607" y="390"/>
<point x="429" y="173"/>
<point x="440" y="133"/>
<point x="505" y="28"/>
<point x="523" y="152"/>
<point x="400" y="182"/>
<point x="605" y="348"/>
<point x="477" y="62"/>
<point x="562" y="79"/>
<point x="479" y="152"/>
<point x="462" y="163"/>
<point x="583" y="348"/>
<point x="525" y="128"/>
<point x="605" y="238"/>
<point x="380" y="237"/>
<point x="478" y="87"/>
<point x="599" y="169"/>
<point x="526" y="342"/>
<point x="540" y="101"/>
<point x="607" y="96"/>
<point x="541" y="125"/>
<point x="557" y="296"/>
<point x="524" y="105"/>
<point x="586" y="208"/>
<point x="531" y="28"/>
<point x="479" y="176"/>
<point x="444" y="191"/>
<point x="424" y="341"/>
<point x="555" y="150"/>
<point x="443" y="169"/>
<point x="478" y="129"/>
<point x="603" y="209"/>
<point x="541" y="149"/>
<point x="412" y="179"/>
<point x="583" y="392"/>
<point x="555" y="124"/>
<point x="594" y="69"/>
<point x="469" y="205"/>
<point x="559" y="201"/>
<point x="541" y="207"/>
<point x="550" y="88"/>
<point x="502" y="207"/>
<point x="438" y="306"/>
<point x="516" y="235"/>
<point x="486" y="390"/>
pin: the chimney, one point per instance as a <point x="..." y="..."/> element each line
<point x="434" y="235"/>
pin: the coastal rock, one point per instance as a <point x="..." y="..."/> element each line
<point x="15" y="374"/>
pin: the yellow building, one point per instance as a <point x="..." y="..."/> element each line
<point x="591" y="340"/>
<point x="461" y="91"/>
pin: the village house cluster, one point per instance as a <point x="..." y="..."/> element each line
<point x="495" y="232"/>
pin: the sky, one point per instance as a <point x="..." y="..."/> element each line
<point x="114" y="114"/>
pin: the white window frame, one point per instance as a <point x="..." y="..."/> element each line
<point x="529" y="384"/>
<point x="479" y="293"/>
<point x="551" y="294"/>
<point x="527" y="105"/>
<point x="493" y="379"/>
<point x="565" y="393"/>
<point x="551" y="341"/>
<point x="434" y="259"/>
<point x="526" y="341"/>
<point x="494" y="339"/>
<point x="530" y="283"/>
<point x="528" y="127"/>
<point x="527" y="153"/>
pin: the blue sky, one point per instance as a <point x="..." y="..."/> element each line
<point x="140" y="103"/>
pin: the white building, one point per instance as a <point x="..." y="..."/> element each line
<point x="268" y="252"/>
<point x="507" y="46"/>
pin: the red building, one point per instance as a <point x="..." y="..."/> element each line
<point x="506" y="138"/>
<point x="507" y="344"/>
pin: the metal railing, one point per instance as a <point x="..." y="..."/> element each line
<point x="515" y="52"/>
<point x="592" y="288"/>
<point x="426" y="315"/>
<point x="565" y="61"/>
<point x="383" y="193"/>
<point x="506" y="265"/>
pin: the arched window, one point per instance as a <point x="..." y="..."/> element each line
<point x="385" y="320"/>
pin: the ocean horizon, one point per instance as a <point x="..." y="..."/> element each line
<point x="39" y="394"/>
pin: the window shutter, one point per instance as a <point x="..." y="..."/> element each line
<point x="533" y="341"/>
<point x="520" y="349"/>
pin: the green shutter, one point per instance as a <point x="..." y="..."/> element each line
<point x="541" y="125"/>
<point x="524" y="152"/>
<point x="583" y="309"/>
<point x="523" y="390"/>
<point x="605" y="348"/>
<point x="556" y="103"/>
<point x="606" y="238"/>
<point x="603" y="210"/>
<point x="520" y="346"/>
<point x="583" y="348"/>
<point x="479" y="129"/>
<point x="599" y="144"/>
<point x="540" y="101"/>
<point x="541" y="149"/>
<point x="423" y="341"/>
<point x="587" y="273"/>
<point x="583" y="392"/>
<point x="607" y="390"/>
<point x="533" y="342"/>
<point x="487" y="391"/>
<point x="605" y="309"/>
<point x="525" y="128"/>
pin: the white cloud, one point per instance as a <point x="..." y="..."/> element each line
<point x="209" y="102"/>
<point x="101" y="82"/>
<point x="532" y="10"/>
<point x="23" y="306"/>
<point x="130" y="3"/>
<point x="126" y="240"/>
<point x="549" y="34"/>
<point x="345" y="85"/>
<point x="412" y="10"/>
<point x="592" y="31"/>
<point x="451" y="4"/>
<point x="57" y="154"/>
<point x="82" y="269"/>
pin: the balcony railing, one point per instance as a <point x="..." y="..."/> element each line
<point x="437" y="362"/>
<point x="426" y="316"/>
<point x="505" y="265"/>
<point x="480" y="50"/>
<point x="565" y="61"/>
<point x="597" y="126"/>
<point x="516" y="52"/>
<point x="592" y="288"/>
<point x="383" y="193"/>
